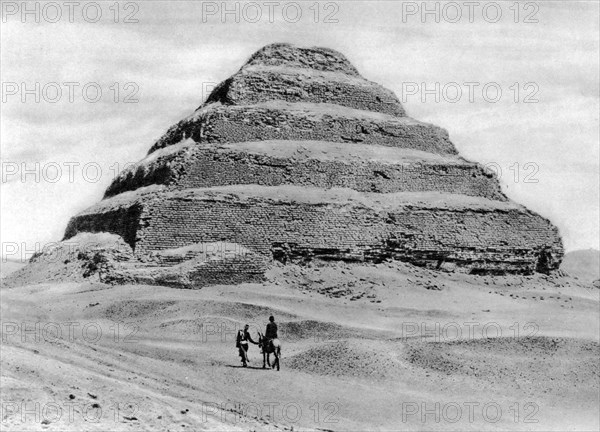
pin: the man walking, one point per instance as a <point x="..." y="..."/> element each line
<point x="243" y="337"/>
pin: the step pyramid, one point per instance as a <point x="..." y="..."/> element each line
<point x="298" y="158"/>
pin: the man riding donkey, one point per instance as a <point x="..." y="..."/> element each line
<point x="243" y="337"/>
<point x="270" y="344"/>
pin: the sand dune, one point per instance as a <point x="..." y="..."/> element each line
<point x="583" y="264"/>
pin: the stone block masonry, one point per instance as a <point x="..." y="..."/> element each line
<point x="194" y="274"/>
<point x="296" y="223"/>
<point x="315" y="58"/>
<point x="253" y="85"/>
<point x="313" y="164"/>
<point x="277" y="120"/>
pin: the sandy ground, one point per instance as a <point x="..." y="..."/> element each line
<point x="10" y="266"/>
<point x="374" y="347"/>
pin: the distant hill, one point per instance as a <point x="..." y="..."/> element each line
<point x="585" y="264"/>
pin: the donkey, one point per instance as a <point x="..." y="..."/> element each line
<point x="269" y="348"/>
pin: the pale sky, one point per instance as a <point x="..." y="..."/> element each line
<point x="174" y="55"/>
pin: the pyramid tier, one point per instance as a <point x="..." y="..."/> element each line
<point x="254" y="84"/>
<point x="316" y="58"/>
<point x="299" y="223"/>
<point x="278" y="120"/>
<point x="367" y="168"/>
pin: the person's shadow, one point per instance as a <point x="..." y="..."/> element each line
<point x="247" y="367"/>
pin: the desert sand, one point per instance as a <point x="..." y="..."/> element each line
<point x="365" y="347"/>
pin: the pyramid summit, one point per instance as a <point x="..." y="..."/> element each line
<point x="297" y="158"/>
<point x="317" y="58"/>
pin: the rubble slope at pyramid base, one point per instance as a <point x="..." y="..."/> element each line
<point x="105" y="258"/>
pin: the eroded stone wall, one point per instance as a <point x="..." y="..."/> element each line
<point x="194" y="274"/>
<point x="317" y="58"/>
<point x="255" y="86"/>
<point x="477" y="240"/>
<point x="123" y="221"/>
<point x="206" y="167"/>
